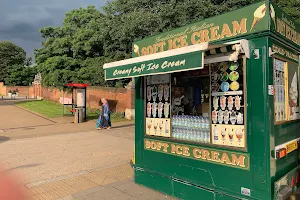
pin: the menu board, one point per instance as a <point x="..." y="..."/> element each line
<point x="227" y="104"/>
<point x="158" y="121"/>
<point x="279" y="91"/>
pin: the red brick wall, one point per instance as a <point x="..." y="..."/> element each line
<point x="23" y="90"/>
<point x="2" y="88"/>
<point x="118" y="98"/>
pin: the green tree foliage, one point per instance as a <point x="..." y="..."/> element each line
<point x="291" y="7"/>
<point x="76" y="51"/>
<point x="10" y="56"/>
<point x="20" y="75"/>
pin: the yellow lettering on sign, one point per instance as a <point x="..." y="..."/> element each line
<point x="197" y="153"/>
<point x="158" y="147"/>
<point x="225" y="159"/>
<point x="204" y="36"/>
<point x="186" y="151"/>
<point x="226" y="31"/>
<point x="144" y="51"/>
<point x="215" y="156"/>
<point x="239" y="28"/>
<point x="165" y="147"/>
<point x="153" y="145"/>
<point x="183" y="42"/>
<point x="239" y="161"/>
<point x="176" y="43"/>
<point x="173" y="148"/>
<point x="195" y="40"/>
<point x="205" y="155"/>
<point x="147" y="144"/>
<point x="178" y="150"/>
<point x="214" y="33"/>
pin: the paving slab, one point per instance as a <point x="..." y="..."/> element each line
<point x="121" y="190"/>
<point x="42" y="158"/>
<point x="12" y="117"/>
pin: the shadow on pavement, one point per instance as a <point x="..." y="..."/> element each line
<point x="24" y="166"/>
<point x="3" y="139"/>
<point x="123" y="126"/>
<point x="7" y="102"/>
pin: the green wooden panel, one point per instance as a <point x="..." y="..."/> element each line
<point x="157" y="182"/>
<point x="188" y="192"/>
<point x="258" y="116"/>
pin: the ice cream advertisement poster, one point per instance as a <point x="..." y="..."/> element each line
<point x="245" y="21"/>
<point x="293" y="91"/>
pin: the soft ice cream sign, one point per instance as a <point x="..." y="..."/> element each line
<point x="248" y="20"/>
<point x="181" y="62"/>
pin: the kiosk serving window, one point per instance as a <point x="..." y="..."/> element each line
<point x="193" y="94"/>
<point x="198" y="106"/>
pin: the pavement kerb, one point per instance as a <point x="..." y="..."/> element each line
<point x="35" y="113"/>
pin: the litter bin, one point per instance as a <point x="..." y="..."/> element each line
<point x="78" y="117"/>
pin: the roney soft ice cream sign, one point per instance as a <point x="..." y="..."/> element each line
<point x="248" y="20"/>
<point x="181" y="62"/>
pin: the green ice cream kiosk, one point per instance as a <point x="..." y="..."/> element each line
<point x="217" y="106"/>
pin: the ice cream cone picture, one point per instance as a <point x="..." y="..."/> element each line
<point x="293" y="96"/>
<point x="149" y="93"/>
<point x="231" y="134"/>
<point x="272" y="13"/>
<point x="136" y="49"/>
<point x="259" y="13"/>
<point x="160" y="92"/>
<point x="223" y="134"/>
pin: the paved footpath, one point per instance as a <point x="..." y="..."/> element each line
<point x="123" y="190"/>
<point x="55" y="159"/>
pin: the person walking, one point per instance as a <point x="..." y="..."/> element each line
<point x="104" y="117"/>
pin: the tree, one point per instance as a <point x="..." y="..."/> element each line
<point x="291" y="7"/>
<point x="20" y="75"/>
<point x="67" y="49"/>
<point x="88" y="38"/>
<point x="10" y="56"/>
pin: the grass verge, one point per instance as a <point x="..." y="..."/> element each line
<point x="52" y="110"/>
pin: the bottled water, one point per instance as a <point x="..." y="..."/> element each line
<point x="191" y="128"/>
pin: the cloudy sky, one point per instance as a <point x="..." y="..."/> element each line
<point x="21" y="19"/>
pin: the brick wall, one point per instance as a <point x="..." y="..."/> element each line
<point x="118" y="98"/>
<point x="23" y="90"/>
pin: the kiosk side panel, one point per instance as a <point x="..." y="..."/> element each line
<point x="284" y="113"/>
